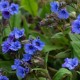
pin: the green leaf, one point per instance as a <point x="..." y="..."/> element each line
<point x="7" y="31"/>
<point x="76" y="48"/>
<point x="31" y="6"/>
<point x="0" y="39"/>
<point x="70" y="8"/>
<point x="46" y="57"/>
<point x="50" y="47"/>
<point x="74" y="37"/>
<point x="15" y="20"/>
<point x="57" y="35"/>
<point x="78" y="72"/>
<point x="26" y="27"/>
<point x="62" y="55"/>
<point x="42" y="78"/>
<point x="62" y="73"/>
<point x="45" y="10"/>
<point x="75" y="44"/>
<point x="59" y="38"/>
<point x="6" y="66"/>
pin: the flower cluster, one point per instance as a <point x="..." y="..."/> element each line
<point x="12" y="43"/>
<point x="8" y="9"/>
<point x="75" y="27"/>
<point x="70" y="63"/>
<point x="33" y="46"/>
<point x="62" y="13"/>
<point x="21" y="65"/>
<point x="21" y="69"/>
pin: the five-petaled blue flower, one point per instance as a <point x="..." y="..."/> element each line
<point x="15" y="46"/>
<point x="14" y="9"/>
<point x="29" y="48"/>
<point x="38" y="44"/>
<point x="26" y="57"/>
<point x="75" y="27"/>
<point x="70" y="63"/>
<point x="5" y="46"/>
<point x="4" y="5"/>
<point x="63" y="14"/>
<point x="21" y="71"/>
<point x="18" y="33"/>
<point x="6" y="14"/>
<point x="54" y="6"/>
<point x="17" y="63"/>
<point x="3" y="77"/>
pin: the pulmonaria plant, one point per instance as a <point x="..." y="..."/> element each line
<point x="21" y="65"/>
<point x="8" y="9"/>
<point x="31" y="60"/>
<point x="13" y="43"/>
<point x="62" y="13"/>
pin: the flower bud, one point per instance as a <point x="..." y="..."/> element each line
<point x="73" y="14"/>
<point x="38" y="61"/>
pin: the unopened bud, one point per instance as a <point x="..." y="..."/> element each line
<point x="38" y="61"/>
<point x="73" y="14"/>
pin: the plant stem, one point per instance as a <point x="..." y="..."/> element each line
<point x="10" y="25"/>
<point x="49" y="75"/>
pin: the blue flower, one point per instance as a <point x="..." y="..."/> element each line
<point x="17" y="63"/>
<point x="15" y="46"/>
<point x="4" y="5"/>
<point x="3" y="77"/>
<point x="76" y="27"/>
<point x="70" y="63"/>
<point x="5" y="46"/>
<point x="18" y="33"/>
<point x="21" y="71"/>
<point x="63" y="14"/>
<point x="38" y="44"/>
<point x="54" y="6"/>
<point x="14" y="9"/>
<point x="29" y="48"/>
<point x="11" y="37"/>
<point x="6" y="14"/>
<point x="26" y="57"/>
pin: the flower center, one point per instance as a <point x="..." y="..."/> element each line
<point x="63" y="12"/>
<point x="4" y="6"/>
<point x="31" y="47"/>
<point x="37" y="43"/>
<point x="13" y="8"/>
